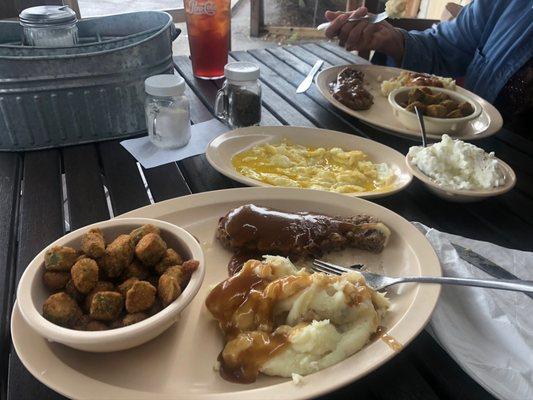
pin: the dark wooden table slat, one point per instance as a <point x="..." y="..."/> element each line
<point x="166" y="182"/>
<point x="324" y="54"/>
<point x="10" y="179"/>
<point x="122" y="178"/>
<point x="340" y="52"/>
<point x="85" y="190"/>
<point x="41" y="222"/>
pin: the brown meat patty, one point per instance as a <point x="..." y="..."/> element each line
<point x="260" y="230"/>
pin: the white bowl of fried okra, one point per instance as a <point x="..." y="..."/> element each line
<point x="112" y="285"/>
<point x="445" y="111"/>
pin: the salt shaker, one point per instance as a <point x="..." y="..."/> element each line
<point x="167" y="111"/>
<point x="238" y="102"/>
<point x="49" y="26"/>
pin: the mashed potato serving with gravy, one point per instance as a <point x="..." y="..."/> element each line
<point x="282" y="321"/>
<point x="331" y="169"/>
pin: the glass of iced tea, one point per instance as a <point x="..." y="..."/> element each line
<point x="208" y="26"/>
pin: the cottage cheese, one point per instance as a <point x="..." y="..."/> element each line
<point x="458" y="165"/>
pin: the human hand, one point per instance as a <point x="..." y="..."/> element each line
<point x="363" y="36"/>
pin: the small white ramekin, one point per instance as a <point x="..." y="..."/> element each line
<point x="31" y="292"/>
<point x="464" y="195"/>
<point x="433" y="125"/>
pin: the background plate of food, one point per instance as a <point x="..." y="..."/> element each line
<point x="309" y="158"/>
<point x="182" y="362"/>
<point x="369" y="101"/>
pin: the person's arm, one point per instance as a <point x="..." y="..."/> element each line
<point x="449" y="47"/>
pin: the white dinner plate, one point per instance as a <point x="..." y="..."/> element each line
<point x="223" y="148"/>
<point x="179" y="363"/>
<point x="380" y="114"/>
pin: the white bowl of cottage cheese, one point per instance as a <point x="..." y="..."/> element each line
<point x="458" y="171"/>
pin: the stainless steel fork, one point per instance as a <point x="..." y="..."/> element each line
<point x="371" y="18"/>
<point x="379" y="282"/>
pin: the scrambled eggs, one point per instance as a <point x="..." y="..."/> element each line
<point x="334" y="169"/>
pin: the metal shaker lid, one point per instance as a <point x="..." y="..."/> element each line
<point x="241" y="71"/>
<point x="47" y="16"/>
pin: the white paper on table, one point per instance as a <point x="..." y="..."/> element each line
<point x="488" y="332"/>
<point x="151" y="156"/>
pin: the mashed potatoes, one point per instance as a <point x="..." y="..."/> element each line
<point x="395" y="8"/>
<point x="407" y="78"/>
<point x="458" y="165"/>
<point x="332" y="169"/>
<point x="282" y="321"/>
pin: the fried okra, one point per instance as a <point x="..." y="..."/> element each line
<point x="135" y="269"/>
<point x="156" y="307"/>
<point x="81" y="323"/>
<point x="168" y="289"/>
<point x="183" y="272"/>
<point x="132" y="278"/>
<point x="84" y="275"/>
<point x="93" y="243"/>
<point x="96" y="326"/>
<point x="436" y="110"/>
<point x="141" y="231"/>
<point x="101" y="286"/>
<point x="150" y="249"/>
<point x="131" y="319"/>
<point x="170" y="258"/>
<point x="126" y="285"/>
<point x="85" y="323"/>
<point x="55" y="280"/>
<point x="140" y="297"/>
<point x="466" y="108"/>
<point x="106" y="306"/>
<point x="71" y="290"/>
<point x="61" y="309"/>
<point x="437" y="105"/>
<point x="118" y="254"/>
<point x="60" y="258"/>
<point x="421" y="106"/>
<point x="176" y="271"/>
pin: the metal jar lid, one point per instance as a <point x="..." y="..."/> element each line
<point x="43" y="16"/>
<point x="241" y="71"/>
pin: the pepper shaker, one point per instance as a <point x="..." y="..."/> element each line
<point x="238" y="102"/>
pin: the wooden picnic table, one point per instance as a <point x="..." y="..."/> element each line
<point x="44" y="194"/>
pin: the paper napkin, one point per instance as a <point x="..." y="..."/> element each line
<point x="151" y="156"/>
<point x="488" y="332"/>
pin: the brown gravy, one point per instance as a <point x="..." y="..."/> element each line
<point x="381" y="333"/>
<point x="243" y="306"/>
<point x="255" y="229"/>
<point x="244" y="368"/>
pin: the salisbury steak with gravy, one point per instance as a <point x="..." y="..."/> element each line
<point x="262" y="230"/>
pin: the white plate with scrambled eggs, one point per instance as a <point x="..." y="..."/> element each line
<point x="309" y="158"/>
<point x="380" y="81"/>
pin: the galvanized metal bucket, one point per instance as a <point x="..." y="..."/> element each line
<point x="51" y="97"/>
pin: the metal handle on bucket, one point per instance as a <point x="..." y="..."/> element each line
<point x="174" y="32"/>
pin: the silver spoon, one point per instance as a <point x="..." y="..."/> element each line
<point x="370" y="18"/>
<point x="422" y="126"/>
